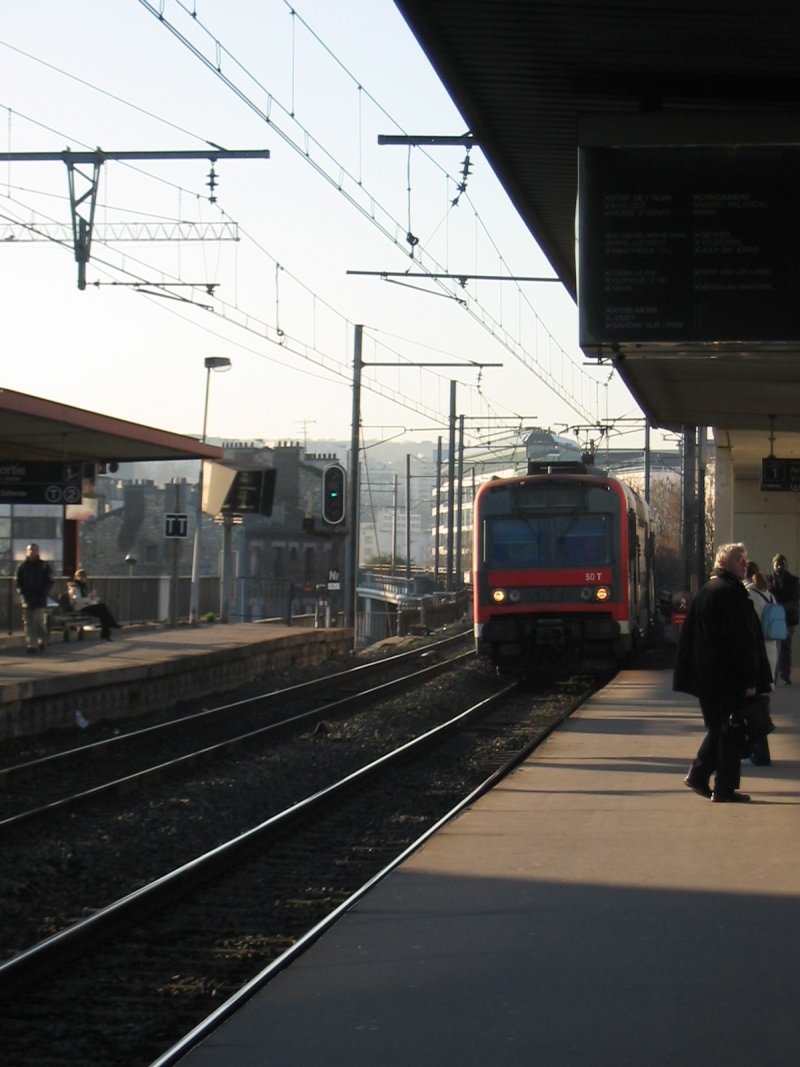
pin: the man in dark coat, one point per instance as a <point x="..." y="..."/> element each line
<point x="722" y="661"/>
<point x="785" y="587"/>
<point x="33" y="584"/>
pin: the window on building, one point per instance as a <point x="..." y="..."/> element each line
<point x="36" y="528"/>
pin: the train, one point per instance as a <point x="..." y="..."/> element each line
<point x="562" y="568"/>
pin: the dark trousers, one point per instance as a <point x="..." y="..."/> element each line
<point x="104" y="616"/>
<point x="720" y="751"/>
<point x="784" y="667"/>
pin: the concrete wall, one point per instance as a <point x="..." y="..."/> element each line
<point x="767" y="523"/>
<point x="34" y="705"/>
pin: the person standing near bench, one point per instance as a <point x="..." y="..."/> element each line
<point x="88" y="602"/>
<point x="34" y="580"/>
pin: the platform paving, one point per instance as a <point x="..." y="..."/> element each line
<point x="589" y="911"/>
<point x="129" y="646"/>
<point x="143" y="668"/>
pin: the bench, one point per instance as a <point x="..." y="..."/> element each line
<point x="68" y="622"/>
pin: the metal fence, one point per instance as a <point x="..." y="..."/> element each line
<point x="269" y="598"/>
<point x="412" y="615"/>
<point x="130" y="600"/>
<point x="159" y="599"/>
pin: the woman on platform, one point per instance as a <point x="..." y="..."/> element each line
<point x="756" y="585"/>
<point x="90" y="604"/>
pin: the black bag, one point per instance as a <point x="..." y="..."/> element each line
<point x="738" y="737"/>
<point x="757" y="719"/>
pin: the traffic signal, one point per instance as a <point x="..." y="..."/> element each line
<point x="333" y="494"/>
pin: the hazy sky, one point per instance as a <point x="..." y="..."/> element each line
<point x="315" y="88"/>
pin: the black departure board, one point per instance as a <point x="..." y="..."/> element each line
<point x="688" y="244"/>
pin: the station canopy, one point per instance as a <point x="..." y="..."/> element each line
<point x="683" y="121"/>
<point x="33" y="429"/>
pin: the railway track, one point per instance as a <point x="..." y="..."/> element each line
<point x="66" y="778"/>
<point x="244" y="904"/>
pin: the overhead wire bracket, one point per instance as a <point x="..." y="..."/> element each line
<point x="83" y="213"/>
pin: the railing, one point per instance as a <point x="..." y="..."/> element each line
<point x="148" y="599"/>
<point x="129" y="599"/>
<point x="394" y="586"/>
<point x="270" y="598"/>
<point x="427" y="613"/>
<point x="412" y="615"/>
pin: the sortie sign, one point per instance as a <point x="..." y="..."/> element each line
<point x="41" y="483"/>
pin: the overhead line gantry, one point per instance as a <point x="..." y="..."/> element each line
<point x="83" y="202"/>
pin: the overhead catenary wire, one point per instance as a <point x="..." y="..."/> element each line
<point x="249" y="322"/>
<point x="245" y="320"/>
<point x="356" y="190"/>
<point x="221" y="307"/>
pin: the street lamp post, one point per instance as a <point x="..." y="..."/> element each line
<point x="218" y="363"/>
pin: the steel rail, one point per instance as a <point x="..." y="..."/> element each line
<point x="54" y="950"/>
<point x="21" y="770"/>
<point x="133" y="781"/>
<point x="237" y="1000"/>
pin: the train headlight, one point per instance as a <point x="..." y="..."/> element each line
<point x="499" y="596"/>
<point x="514" y="596"/>
<point x="602" y="592"/>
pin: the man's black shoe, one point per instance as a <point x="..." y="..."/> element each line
<point x="730" y="798"/>
<point x="698" y="787"/>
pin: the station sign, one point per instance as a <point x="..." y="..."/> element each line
<point x="176" y="525"/>
<point x="780" y="475"/>
<point x="26" y="482"/>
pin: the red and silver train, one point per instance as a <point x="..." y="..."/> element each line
<point x="562" y="568"/>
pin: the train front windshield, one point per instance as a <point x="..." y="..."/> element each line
<point x="569" y="539"/>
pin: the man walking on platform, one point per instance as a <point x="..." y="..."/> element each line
<point x="722" y="661"/>
<point x="33" y="584"/>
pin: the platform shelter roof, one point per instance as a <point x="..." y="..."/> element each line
<point x="35" y="429"/>
<point x="535" y="80"/>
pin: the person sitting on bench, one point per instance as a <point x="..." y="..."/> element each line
<point x="90" y="604"/>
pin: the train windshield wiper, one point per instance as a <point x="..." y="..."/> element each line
<point x="577" y="513"/>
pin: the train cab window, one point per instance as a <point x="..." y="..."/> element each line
<point x="517" y="542"/>
<point x="582" y="541"/>
<point x="547" y="540"/>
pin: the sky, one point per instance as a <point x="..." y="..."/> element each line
<point x="318" y="222"/>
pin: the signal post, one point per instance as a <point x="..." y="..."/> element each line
<point x="334" y="514"/>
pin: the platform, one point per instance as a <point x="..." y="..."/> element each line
<point x="590" y="911"/>
<point x="147" y="668"/>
